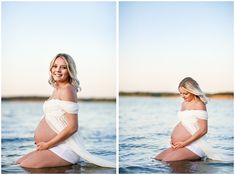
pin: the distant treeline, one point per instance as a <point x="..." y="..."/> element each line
<point x="152" y="94"/>
<point x="43" y="98"/>
<point x="220" y="93"/>
<point x="172" y="94"/>
<point x="149" y="94"/>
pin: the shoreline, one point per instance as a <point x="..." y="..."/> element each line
<point x="219" y="95"/>
<point x="44" y="98"/>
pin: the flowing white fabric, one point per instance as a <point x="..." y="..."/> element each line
<point x="55" y="110"/>
<point x="189" y="119"/>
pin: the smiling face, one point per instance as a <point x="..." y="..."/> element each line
<point x="59" y="71"/>
<point x="187" y="96"/>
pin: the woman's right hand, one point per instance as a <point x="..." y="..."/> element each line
<point x="42" y="146"/>
<point x="172" y="144"/>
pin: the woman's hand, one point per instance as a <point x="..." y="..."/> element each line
<point x="42" y="146"/>
<point x="172" y="144"/>
<point x="198" y="134"/>
<point x="178" y="145"/>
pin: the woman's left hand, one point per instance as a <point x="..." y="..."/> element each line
<point x="42" y="146"/>
<point x="178" y="145"/>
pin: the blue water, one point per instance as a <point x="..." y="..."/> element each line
<point x="97" y="123"/>
<point x="145" y="126"/>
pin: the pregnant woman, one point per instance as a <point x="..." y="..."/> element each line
<point x="187" y="139"/>
<point x="57" y="135"/>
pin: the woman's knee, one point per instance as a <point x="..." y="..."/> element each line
<point x="158" y="157"/>
<point x="25" y="164"/>
<point x="167" y="159"/>
<point x="171" y="157"/>
<point x="31" y="164"/>
<point x="18" y="161"/>
<point x="164" y="154"/>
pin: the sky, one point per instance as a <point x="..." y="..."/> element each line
<point x="160" y="43"/>
<point x="34" y="32"/>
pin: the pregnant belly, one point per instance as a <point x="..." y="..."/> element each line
<point x="43" y="132"/>
<point x="180" y="134"/>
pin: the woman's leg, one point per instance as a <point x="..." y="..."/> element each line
<point x="163" y="154"/>
<point x="42" y="159"/>
<point x="24" y="157"/>
<point x="181" y="154"/>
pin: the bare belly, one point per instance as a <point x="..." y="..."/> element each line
<point x="43" y="132"/>
<point x="180" y="134"/>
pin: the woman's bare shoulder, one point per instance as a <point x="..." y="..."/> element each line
<point x="182" y="106"/>
<point x="200" y="106"/>
<point x="68" y="93"/>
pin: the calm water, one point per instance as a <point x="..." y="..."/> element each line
<point x="145" y="125"/>
<point x="97" y="126"/>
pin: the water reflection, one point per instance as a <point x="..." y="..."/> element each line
<point x="53" y="170"/>
<point x="99" y="134"/>
<point x="183" y="166"/>
<point x="145" y="127"/>
<point x="208" y="166"/>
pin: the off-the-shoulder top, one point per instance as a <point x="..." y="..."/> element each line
<point x="189" y="118"/>
<point x="55" y="109"/>
<point x="193" y="114"/>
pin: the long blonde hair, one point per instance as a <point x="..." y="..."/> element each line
<point x="192" y="86"/>
<point x="71" y="66"/>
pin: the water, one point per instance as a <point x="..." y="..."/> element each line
<point x="96" y="122"/>
<point x="145" y="126"/>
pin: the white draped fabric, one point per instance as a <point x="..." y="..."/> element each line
<point x="54" y="111"/>
<point x="189" y="119"/>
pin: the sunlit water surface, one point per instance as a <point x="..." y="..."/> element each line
<point x="96" y="122"/>
<point x="145" y="127"/>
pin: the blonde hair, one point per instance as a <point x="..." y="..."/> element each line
<point x="71" y="66"/>
<point x="192" y="86"/>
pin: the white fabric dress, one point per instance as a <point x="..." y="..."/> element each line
<point x="54" y="111"/>
<point x="189" y="119"/>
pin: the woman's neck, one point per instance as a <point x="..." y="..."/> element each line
<point x="61" y="84"/>
<point x="194" y="100"/>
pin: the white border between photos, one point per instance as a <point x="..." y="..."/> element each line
<point x="117" y="87"/>
<point x="117" y="58"/>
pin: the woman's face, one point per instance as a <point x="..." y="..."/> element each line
<point x="187" y="96"/>
<point x="59" y="71"/>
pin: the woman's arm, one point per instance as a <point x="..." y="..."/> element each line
<point x="72" y="126"/>
<point x="203" y="127"/>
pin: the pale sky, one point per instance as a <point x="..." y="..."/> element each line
<point x="34" y="32"/>
<point x="160" y="43"/>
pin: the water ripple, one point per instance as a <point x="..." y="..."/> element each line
<point x="145" y="128"/>
<point x="17" y="135"/>
<point x="6" y="140"/>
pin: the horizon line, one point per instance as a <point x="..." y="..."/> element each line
<point x="43" y="98"/>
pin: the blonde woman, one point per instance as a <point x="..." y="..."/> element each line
<point x="187" y="139"/>
<point x="57" y="135"/>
